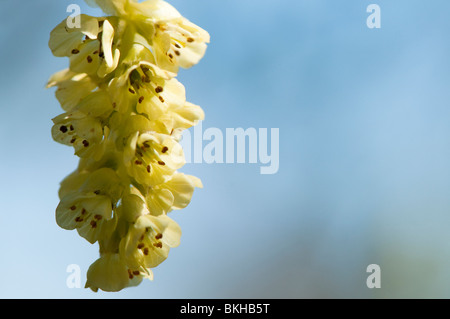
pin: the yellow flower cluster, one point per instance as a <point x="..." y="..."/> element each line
<point x="124" y="112"/>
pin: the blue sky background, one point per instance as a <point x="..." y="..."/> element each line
<point x="364" y="154"/>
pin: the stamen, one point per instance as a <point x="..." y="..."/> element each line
<point x="158" y="245"/>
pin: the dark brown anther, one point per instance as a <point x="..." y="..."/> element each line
<point x="161" y="163"/>
<point x="161" y="99"/>
<point x="159" y="236"/>
<point x="159" y="89"/>
<point x="141" y="99"/>
<point x="63" y="129"/>
<point x="73" y="207"/>
<point x="85" y="143"/>
<point x="93" y="224"/>
<point x="164" y="149"/>
<point x="158" y="245"/>
<point x="190" y="40"/>
<point x="89" y="59"/>
<point x="75" y="51"/>
<point x="148" y="168"/>
<point x="131" y="91"/>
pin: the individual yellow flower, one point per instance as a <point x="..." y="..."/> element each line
<point x="174" y="194"/>
<point x="143" y="83"/>
<point x="111" y="273"/>
<point x="89" y="48"/>
<point x="82" y="127"/>
<point x="89" y="209"/>
<point x="149" y="239"/>
<point x="151" y="158"/>
<point x="179" y="43"/>
<point x="71" y="87"/>
<point x="152" y="92"/>
<point x="76" y="129"/>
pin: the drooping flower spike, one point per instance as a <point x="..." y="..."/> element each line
<point x="124" y="112"/>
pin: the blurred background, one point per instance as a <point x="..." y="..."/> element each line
<point x="364" y="173"/>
